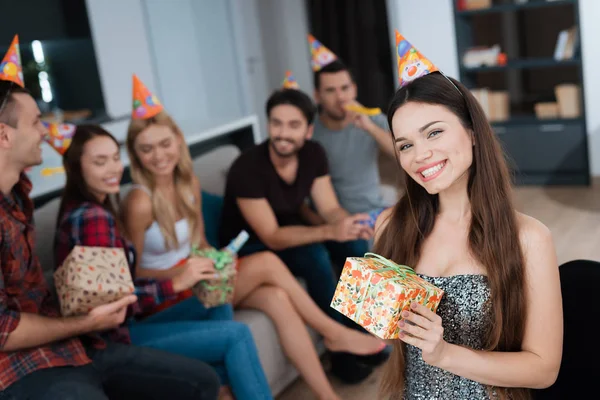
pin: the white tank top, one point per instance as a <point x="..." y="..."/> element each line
<point x="155" y="255"/>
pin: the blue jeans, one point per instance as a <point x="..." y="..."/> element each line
<point x="209" y="335"/>
<point x="320" y="265"/>
<point x="121" y="372"/>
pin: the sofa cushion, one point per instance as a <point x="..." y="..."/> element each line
<point x="212" y="205"/>
<point x="211" y="168"/>
<point x="45" y="227"/>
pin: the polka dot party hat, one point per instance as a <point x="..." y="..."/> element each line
<point x="145" y="104"/>
<point x="10" y="67"/>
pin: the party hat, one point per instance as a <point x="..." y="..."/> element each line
<point x="59" y="136"/>
<point x="321" y="55"/>
<point x="10" y="67"/>
<point x="145" y="104"/>
<point x="411" y="63"/>
<point x="289" y="82"/>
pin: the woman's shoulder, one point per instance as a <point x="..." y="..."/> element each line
<point x="533" y="234"/>
<point x="138" y="200"/>
<point x="531" y="228"/>
<point x="382" y="221"/>
<point x="86" y="210"/>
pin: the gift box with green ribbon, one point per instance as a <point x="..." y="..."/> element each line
<point x="373" y="291"/>
<point x="215" y="292"/>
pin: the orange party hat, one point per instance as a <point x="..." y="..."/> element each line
<point x="289" y="82"/>
<point x="411" y="63"/>
<point x="321" y="55"/>
<point x="145" y="104"/>
<point x="59" y="136"/>
<point x="10" y="67"/>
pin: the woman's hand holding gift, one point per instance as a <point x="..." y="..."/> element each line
<point x="422" y="328"/>
<point x="196" y="269"/>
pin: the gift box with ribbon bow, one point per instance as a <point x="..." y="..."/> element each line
<point x="373" y="291"/>
<point x="90" y="277"/>
<point x="215" y="292"/>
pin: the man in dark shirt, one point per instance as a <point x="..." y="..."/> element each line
<point x="266" y="188"/>
<point x="41" y="355"/>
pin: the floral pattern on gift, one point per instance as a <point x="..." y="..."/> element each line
<point x="90" y="277"/>
<point x="373" y="291"/>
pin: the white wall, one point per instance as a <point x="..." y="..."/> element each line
<point x="121" y="45"/>
<point x="193" y="50"/>
<point x="273" y="33"/>
<point x="429" y="26"/>
<point x="183" y="50"/>
<point x="589" y="10"/>
<point x="439" y="45"/>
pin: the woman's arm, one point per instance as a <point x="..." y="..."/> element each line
<point x="537" y="365"/>
<point x="137" y="218"/>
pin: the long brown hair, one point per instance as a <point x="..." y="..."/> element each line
<point x="165" y="212"/>
<point x="76" y="189"/>
<point x="493" y="233"/>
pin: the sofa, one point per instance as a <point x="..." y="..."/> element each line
<point x="211" y="168"/>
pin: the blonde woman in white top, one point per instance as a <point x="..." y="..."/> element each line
<point x="161" y="164"/>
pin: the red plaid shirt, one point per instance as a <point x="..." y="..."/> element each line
<point x="90" y="224"/>
<point x="24" y="290"/>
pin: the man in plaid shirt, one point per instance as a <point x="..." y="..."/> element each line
<point x="34" y="340"/>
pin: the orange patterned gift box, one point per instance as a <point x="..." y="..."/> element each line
<point x="373" y="291"/>
<point x="90" y="277"/>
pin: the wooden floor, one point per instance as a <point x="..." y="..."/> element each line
<point x="573" y="216"/>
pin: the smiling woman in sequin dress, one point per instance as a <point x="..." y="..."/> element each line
<point x="498" y="329"/>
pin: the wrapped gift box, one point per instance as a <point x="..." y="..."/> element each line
<point x="90" y="277"/>
<point x="373" y="291"/>
<point x="215" y="292"/>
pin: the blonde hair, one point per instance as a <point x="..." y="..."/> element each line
<point x="165" y="213"/>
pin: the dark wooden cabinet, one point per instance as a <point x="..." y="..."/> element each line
<point x="539" y="151"/>
<point x="550" y="152"/>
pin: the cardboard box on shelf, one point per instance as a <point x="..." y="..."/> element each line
<point x="567" y="96"/>
<point x="477" y="4"/>
<point x="548" y="110"/>
<point x="495" y="104"/>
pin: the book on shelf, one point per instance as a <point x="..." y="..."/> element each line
<point x="566" y="44"/>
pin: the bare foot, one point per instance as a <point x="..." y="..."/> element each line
<point x="355" y="342"/>
<point x="225" y="393"/>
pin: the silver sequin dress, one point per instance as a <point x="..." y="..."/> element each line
<point x="465" y="311"/>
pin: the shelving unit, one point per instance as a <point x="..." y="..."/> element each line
<point x="509" y="7"/>
<point x="540" y="151"/>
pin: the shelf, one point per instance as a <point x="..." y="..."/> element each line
<point x="532" y="120"/>
<point x="514" y="7"/>
<point x="526" y="64"/>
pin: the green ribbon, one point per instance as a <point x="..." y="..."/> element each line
<point x="224" y="288"/>
<point x="403" y="270"/>
<point x="220" y="258"/>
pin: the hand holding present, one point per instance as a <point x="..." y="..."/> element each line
<point x="195" y="269"/>
<point x="424" y="331"/>
<point x="109" y="316"/>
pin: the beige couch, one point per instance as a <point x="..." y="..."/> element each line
<point x="211" y="168"/>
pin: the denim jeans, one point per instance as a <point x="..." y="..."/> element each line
<point x="209" y="335"/>
<point x="320" y="265"/>
<point x="121" y="372"/>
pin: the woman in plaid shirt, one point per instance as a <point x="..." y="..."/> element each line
<point x="87" y="217"/>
